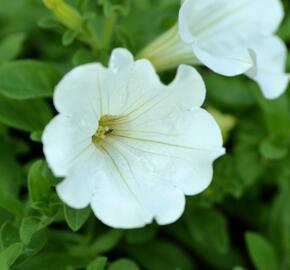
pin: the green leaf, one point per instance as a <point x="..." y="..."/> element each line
<point x="124" y="37"/>
<point x="214" y="259"/>
<point x="208" y="228"/>
<point x="284" y="29"/>
<point x="98" y="264"/>
<point x="36" y="136"/>
<point x="276" y="114"/>
<point x="82" y="56"/>
<point x="26" y="79"/>
<point x="247" y="159"/>
<point x="69" y="37"/>
<point x="9" y="234"/>
<point x="160" y="255"/>
<point x="10" y="169"/>
<point x="36" y="243"/>
<point x="121" y="7"/>
<point x="107" y="241"/>
<point x="52" y="261"/>
<point x="273" y="150"/>
<point x="280" y="223"/>
<point x="222" y="183"/>
<point x="28" y="227"/>
<point x="139" y="236"/>
<point x="233" y="93"/>
<point x="11" y="204"/>
<point x="262" y="252"/>
<point x="48" y="22"/>
<point x="40" y="180"/>
<point x="38" y="185"/>
<point x="11" y="46"/>
<point x="76" y="218"/>
<point x="22" y="114"/>
<point x="9" y="255"/>
<point x="123" y="264"/>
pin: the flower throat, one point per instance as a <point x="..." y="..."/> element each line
<point x="105" y="128"/>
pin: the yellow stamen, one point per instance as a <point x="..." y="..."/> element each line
<point x="105" y="128"/>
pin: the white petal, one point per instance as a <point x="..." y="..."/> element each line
<point x="114" y="203"/>
<point x="80" y="92"/>
<point x="270" y="55"/>
<point x="64" y="140"/>
<point x="77" y="189"/>
<point x="134" y="82"/>
<point x="164" y="201"/>
<point x="137" y="84"/>
<point x="188" y="87"/>
<point x="220" y="31"/>
<point x="130" y="196"/>
<point x="120" y="59"/>
<point x="181" y="148"/>
<point x="223" y="61"/>
<point x="158" y="101"/>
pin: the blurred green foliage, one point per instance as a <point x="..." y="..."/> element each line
<point x="242" y="221"/>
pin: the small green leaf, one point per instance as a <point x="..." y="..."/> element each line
<point x="262" y="252"/>
<point x="69" y="37"/>
<point x="26" y="115"/>
<point x="9" y="234"/>
<point x="123" y="264"/>
<point x="82" y="57"/>
<point x="115" y="6"/>
<point x="272" y="150"/>
<point x="40" y="180"/>
<point x="37" y="242"/>
<point x="139" y="236"/>
<point x="98" y="264"/>
<point x="209" y="229"/>
<point x="76" y="218"/>
<point x="38" y="185"/>
<point x="124" y="37"/>
<point x="247" y="159"/>
<point x="11" y="46"/>
<point x="107" y="241"/>
<point x="48" y="22"/>
<point x="276" y="114"/>
<point x="55" y="260"/>
<point x="11" y="204"/>
<point x="10" y="169"/>
<point x="280" y="222"/>
<point x="28" y="227"/>
<point x="36" y="136"/>
<point x="161" y="255"/>
<point x="235" y="93"/>
<point x="9" y="255"/>
<point x="284" y="32"/>
<point x="26" y="79"/>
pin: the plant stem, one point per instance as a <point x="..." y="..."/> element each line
<point x="108" y="30"/>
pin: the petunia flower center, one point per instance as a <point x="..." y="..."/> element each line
<point x="105" y="128"/>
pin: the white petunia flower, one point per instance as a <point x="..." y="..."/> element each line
<point x="229" y="37"/>
<point x="129" y="146"/>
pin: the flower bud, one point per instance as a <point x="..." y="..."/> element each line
<point x="226" y="122"/>
<point x="65" y="14"/>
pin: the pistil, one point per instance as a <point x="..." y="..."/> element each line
<point x="105" y="129"/>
